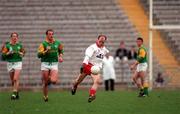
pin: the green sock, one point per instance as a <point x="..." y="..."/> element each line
<point x="146" y="91"/>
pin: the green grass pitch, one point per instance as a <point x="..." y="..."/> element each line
<point x="118" y="102"/>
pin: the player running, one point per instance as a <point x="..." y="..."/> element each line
<point x="13" y="52"/>
<point x="50" y="52"/>
<point x="141" y="66"/>
<point x="93" y="57"/>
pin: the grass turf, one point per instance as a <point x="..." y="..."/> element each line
<point x="118" y="102"/>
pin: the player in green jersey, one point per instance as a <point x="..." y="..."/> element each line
<point x="141" y="67"/>
<point x="50" y="52"/>
<point x="13" y="52"/>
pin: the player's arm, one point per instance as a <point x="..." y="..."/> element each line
<point x="5" y="51"/>
<point x="140" y="57"/>
<point x="22" y="51"/>
<point x="132" y="67"/>
<point x="61" y="52"/>
<point x="41" y="51"/>
<point x="88" y="54"/>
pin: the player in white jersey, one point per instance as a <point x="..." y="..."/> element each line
<point x="93" y="57"/>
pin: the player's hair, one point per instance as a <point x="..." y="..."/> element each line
<point x="14" y="33"/>
<point x="102" y="36"/>
<point x="49" y="30"/>
<point x="139" y="38"/>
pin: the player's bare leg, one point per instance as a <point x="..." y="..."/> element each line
<point x="45" y="79"/>
<point x="92" y="91"/>
<point x="15" y="81"/>
<point x="136" y="76"/>
<point x="77" y="81"/>
<point x="11" y="74"/>
<point x="53" y="76"/>
<point x="141" y="75"/>
<point x="135" y="79"/>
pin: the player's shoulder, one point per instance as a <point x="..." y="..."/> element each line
<point x="143" y="48"/>
<point x="58" y="41"/>
<point x="92" y="46"/>
<point x="7" y="44"/>
<point x="44" y="42"/>
<point x="19" y="43"/>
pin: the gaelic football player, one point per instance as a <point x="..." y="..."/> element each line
<point x="94" y="55"/>
<point x="141" y="67"/>
<point x="50" y="52"/>
<point x="13" y="52"/>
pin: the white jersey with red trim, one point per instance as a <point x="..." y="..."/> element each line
<point x="95" y="55"/>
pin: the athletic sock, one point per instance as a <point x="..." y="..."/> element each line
<point x="146" y="92"/>
<point x="92" y="92"/>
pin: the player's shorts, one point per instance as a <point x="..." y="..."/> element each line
<point x="142" y="67"/>
<point x="86" y="69"/>
<point x="49" y="66"/>
<point x="11" y="66"/>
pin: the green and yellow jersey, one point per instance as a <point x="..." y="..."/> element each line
<point x="14" y="50"/>
<point x="52" y="54"/>
<point x="142" y="55"/>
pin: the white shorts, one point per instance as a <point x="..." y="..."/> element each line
<point x="142" y="67"/>
<point x="11" y="66"/>
<point x="49" y="66"/>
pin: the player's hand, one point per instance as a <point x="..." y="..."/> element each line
<point x="60" y="59"/>
<point x="9" y="52"/>
<point x="47" y="49"/>
<point x="21" y="54"/>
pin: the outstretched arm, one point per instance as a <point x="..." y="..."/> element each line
<point x="88" y="54"/>
<point x="22" y="51"/>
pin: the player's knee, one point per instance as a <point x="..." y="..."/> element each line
<point x="53" y="81"/>
<point x="97" y="81"/>
<point x="14" y="80"/>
